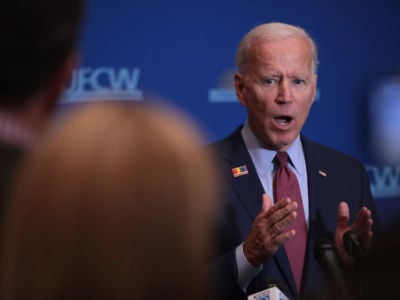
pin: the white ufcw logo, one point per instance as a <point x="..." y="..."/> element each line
<point x="103" y="83"/>
<point x="385" y="181"/>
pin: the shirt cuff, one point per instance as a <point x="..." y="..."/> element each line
<point x="246" y="272"/>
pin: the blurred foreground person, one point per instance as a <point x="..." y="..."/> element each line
<point x="379" y="275"/>
<point x="38" y="51"/>
<point x="114" y="204"/>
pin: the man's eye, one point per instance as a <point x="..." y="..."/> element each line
<point x="269" y="81"/>
<point x="298" y="81"/>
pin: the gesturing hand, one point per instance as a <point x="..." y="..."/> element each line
<point x="269" y="230"/>
<point x="362" y="227"/>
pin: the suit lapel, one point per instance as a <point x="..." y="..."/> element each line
<point x="247" y="186"/>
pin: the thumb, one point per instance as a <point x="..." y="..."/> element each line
<point x="342" y="227"/>
<point x="343" y="215"/>
<point x="266" y="203"/>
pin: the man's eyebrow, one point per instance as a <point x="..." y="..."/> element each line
<point x="271" y="74"/>
<point x="299" y="75"/>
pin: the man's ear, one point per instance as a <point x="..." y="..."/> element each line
<point x="315" y="88"/>
<point x="240" y="88"/>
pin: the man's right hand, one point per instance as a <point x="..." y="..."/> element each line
<point x="269" y="230"/>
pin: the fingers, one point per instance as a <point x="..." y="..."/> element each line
<point x="281" y="224"/>
<point x="281" y="217"/>
<point x="277" y="216"/>
<point x="280" y="209"/>
<point x="363" y="226"/>
<point x="363" y="223"/>
<point x="266" y="203"/>
<point x="279" y="239"/>
<point x="363" y="220"/>
<point x="269" y="230"/>
<point x="341" y="228"/>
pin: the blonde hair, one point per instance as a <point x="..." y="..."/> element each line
<point x="115" y="204"/>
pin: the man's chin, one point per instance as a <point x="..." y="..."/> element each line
<point x="277" y="145"/>
<point x="282" y="144"/>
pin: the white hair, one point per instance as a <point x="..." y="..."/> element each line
<point x="272" y="31"/>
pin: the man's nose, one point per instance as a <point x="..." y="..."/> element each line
<point x="284" y="92"/>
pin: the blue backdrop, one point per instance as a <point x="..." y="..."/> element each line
<point x="184" y="51"/>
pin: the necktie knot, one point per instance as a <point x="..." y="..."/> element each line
<point x="282" y="158"/>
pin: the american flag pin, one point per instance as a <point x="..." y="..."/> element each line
<point x="322" y="173"/>
<point x="239" y="171"/>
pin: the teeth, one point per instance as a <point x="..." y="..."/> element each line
<point x="283" y="120"/>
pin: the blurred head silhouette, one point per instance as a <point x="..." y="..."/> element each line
<point x="38" y="51"/>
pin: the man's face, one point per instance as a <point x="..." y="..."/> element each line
<point x="277" y="89"/>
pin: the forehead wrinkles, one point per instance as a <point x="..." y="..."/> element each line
<point x="288" y="53"/>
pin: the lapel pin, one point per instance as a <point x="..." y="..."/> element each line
<point x="322" y="173"/>
<point x="239" y="171"/>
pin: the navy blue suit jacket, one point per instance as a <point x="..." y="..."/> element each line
<point x="345" y="180"/>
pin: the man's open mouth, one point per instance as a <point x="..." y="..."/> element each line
<point x="283" y="120"/>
